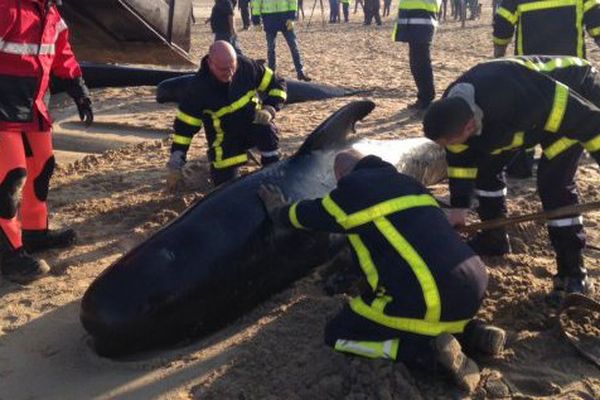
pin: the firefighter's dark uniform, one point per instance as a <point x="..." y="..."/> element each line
<point x="525" y="101"/>
<point x="545" y="27"/>
<point x="227" y="110"/>
<point x="423" y="280"/>
<point x="416" y="25"/>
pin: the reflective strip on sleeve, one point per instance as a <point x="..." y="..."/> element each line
<point x="386" y="350"/>
<point x="378" y="210"/>
<point x="380" y="302"/>
<point x="188" y="119"/>
<point x="457" y="148"/>
<point x="558" y="147"/>
<point x="500" y="41"/>
<point x="491" y="193"/>
<point x="413" y="325"/>
<point x="364" y="260"/>
<point x="278" y="93"/>
<point x="545" y="4"/>
<point x="518" y="140"/>
<point x="594" y="31"/>
<point x="564" y="222"/>
<point x="266" y="80"/>
<point x="561" y="95"/>
<point x="507" y="15"/>
<point x="26" y="49"/>
<point x="462" y="173"/>
<point x="592" y="145"/>
<point x="429" y="288"/>
<point x="293" y="216"/>
<point x="231" y="161"/>
<point x="554" y="63"/>
<point x="589" y="4"/>
<point x="183" y="140"/>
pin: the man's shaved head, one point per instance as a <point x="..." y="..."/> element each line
<point x="345" y="161"/>
<point x="222" y="61"/>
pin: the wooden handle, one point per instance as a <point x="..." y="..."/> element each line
<point x="537" y="216"/>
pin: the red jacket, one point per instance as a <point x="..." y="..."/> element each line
<point x="34" y="43"/>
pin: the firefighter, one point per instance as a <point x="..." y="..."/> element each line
<point x="278" y="16"/>
<point x="416" y="25"/>
<point x="224" y="98"/>
<point x="549" y="27"/>
<point x="424" y="285"/>
<point x="34" y="44"/>
<point x="500" y="106"/>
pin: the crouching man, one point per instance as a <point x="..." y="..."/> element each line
<point x="424" y="284"/>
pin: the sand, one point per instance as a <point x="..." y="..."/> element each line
<point x="114" y="198"/>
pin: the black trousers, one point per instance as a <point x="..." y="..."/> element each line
<point x="371" y="10"/>
<point x="419" y="54"/>
<point x="245" y="12"/>
<point x="556" y="188"/>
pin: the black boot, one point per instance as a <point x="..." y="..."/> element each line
<point x="484" y="338"/>
<point x="461" y="368"/>
<point x="38" y="240"/>
<point x="21" y="267"/>
<point x="303" y="77"/>
<point x="491" y="242"/>
<point x="572" y="276"/>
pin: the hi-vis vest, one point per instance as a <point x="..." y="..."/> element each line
<point x="262" y="7"/>
<point x="553" y="27"/>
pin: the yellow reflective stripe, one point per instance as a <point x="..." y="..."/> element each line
<point x="219" y="162"/>
<point x="457" y="148"/>
<point x="500" y="41"/>
<point x="378" y="210"/>
<point x="380" y="302"/>
<point x="231" y="161"/>
<point x="418" y="326"/>
<point x="266" y="79"/>
<point x="462" y="173"/>
<point x="293" y="216"/>
<point x="560" y="62"/>
<point x="589" y="4"/>
<point x="561" y="95"/>
<point x="278" y="93"/>
<point x="188" y="119"/>
<point x="364" y="260"/>
<point x="431" y="5"/>
<point x="417" y="265"/>
<point x="387" y="349"/>
<point x="518" y="140"/>
<point x="594" y="31"/>
<point x="558" y="147"/>
<point x="542" y="5"/>
<point x="507" y="15"/>
<point x="592" y="145"/>
<point x="180" y="139"/>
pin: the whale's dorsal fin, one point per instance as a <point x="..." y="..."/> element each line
<point x="332" y="133"/>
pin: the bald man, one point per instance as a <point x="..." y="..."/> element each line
<point x="424" y="284"/>
<point x="235" y="99"/>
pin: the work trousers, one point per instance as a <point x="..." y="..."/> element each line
<point x="346" y="10"/>
<point x="371" y="9"/>
<point x="334" y="11"/>
<point x="352" y="333"/>
<point x="292" y="41"/>
<point x="387" y="4"/>
<point x="419" y="54"/>
<point x="556" y="188"/>
<point x="245" y="13"/>
<point x="263" y="137"/>
<point x="26" y="166"/>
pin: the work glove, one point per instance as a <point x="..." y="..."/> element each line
<point x="457" y="216"/>
<point x="84" y="107"/>
<point x="273" y="199"/>
<point x="264" y="116"/>
<point x="174" y="171"/>
<point x="289" y="24"/>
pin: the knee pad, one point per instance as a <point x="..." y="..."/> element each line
<point x="10" y="192"/>
<point x="42" y="182"/>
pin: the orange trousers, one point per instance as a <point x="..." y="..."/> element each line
<point x="26" y="165"/>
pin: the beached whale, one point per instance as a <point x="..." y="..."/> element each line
<point x="222" y="256"/>
<point x="171" y="84"/>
